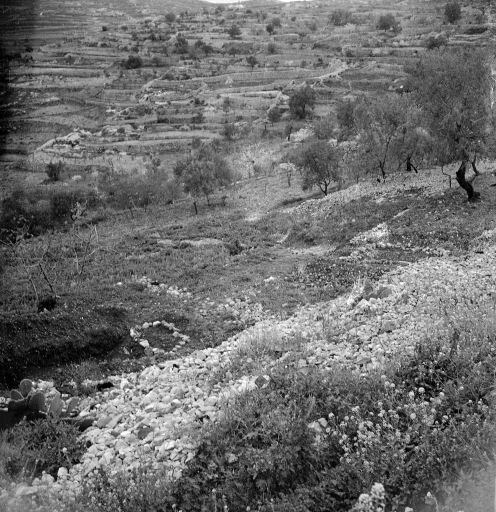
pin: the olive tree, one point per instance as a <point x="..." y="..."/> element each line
<point x="301" y="101"/>
<point x="202" y="173"/>
<point x="453" y="89"/>
<point x="381" y="124"/>
<point x="319" y="165"/>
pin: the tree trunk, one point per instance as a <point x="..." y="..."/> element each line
<point x="196" y="207"/>
<point x="409" y="164"/>
<point x="472" y="195"/>
<point x="382" y="166"/>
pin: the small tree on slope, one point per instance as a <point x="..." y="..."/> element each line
<point x="202" y="173"/>
<point x="319" y="163"/>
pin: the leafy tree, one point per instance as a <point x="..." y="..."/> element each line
<point x="319" y="163"/>
<point x="234" y="31"/>
<point x="202" y="173"/>
<point x="452" y="12"/>
<point x="301" y="100"/>
<point x="170" y="17"/>
<point x="270" y="28"/>
<point x="276" y="22"/>
<point x="381" y="123"/>
<point x="252" y="61"/>
<point x="453" y="89"/>
<point x="388" y="22"/>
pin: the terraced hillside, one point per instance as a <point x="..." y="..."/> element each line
<point x="245" y="336"/>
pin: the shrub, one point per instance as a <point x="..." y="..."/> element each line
<point x="22" y="214"/>
<point x="229" y="131"/>
<point x="181" y="45"/>
<point x="340" y="17"/>
<point x="271" y="48"/>
<point x="128" y="491"/>
<point x="234" y="32"/>
<point x="170" y="17"/>
<point x="345" y="113"/>
<point x="388" y="22"/>
<point x="302" y="99"/>
<point x="312" y="25"/>
<point x="61" y="204"/>
<point x="436" y="41"/>
<point x="276" y="22"/>
<point x="252" y="61"/>
<point x="270" y="28"/>
<point x="476" y="30"/>
<point x="54" y="170"/>
<point x="324" y="127"/>
<point x="132" y="62"/>
<point x="274" y="114"/>
<point x="41" y="445"/>
<point x="452" y="12"/>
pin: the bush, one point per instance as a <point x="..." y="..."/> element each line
<point x="271" y="48"/>
<point x="54" y="170"/>
<point x="388" y="22"/>
<point x="181" y="45"/>
<point x="476" y="30"/>
<point x="229" y="131"/>
<point x="41" y="445"/>
<point x="345" y="113"/>
<point x="129" y="491"/>
<point x="234" y="32"/>
<point x="452" y="12"/>
<point x="324" y="128"/>
<point x="436" y="41"/>
<point x="301" y="100"/>
<point x="132" y="62"/>
<point x="340" y="17"/>
<point x="22" y="214"/>
<point x="274" y="114"/>
<point x="61" y="204"/>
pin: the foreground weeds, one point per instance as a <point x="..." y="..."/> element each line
<point x="314" y="440"/>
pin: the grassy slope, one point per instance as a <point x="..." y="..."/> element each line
<point x="286" y="262"/>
